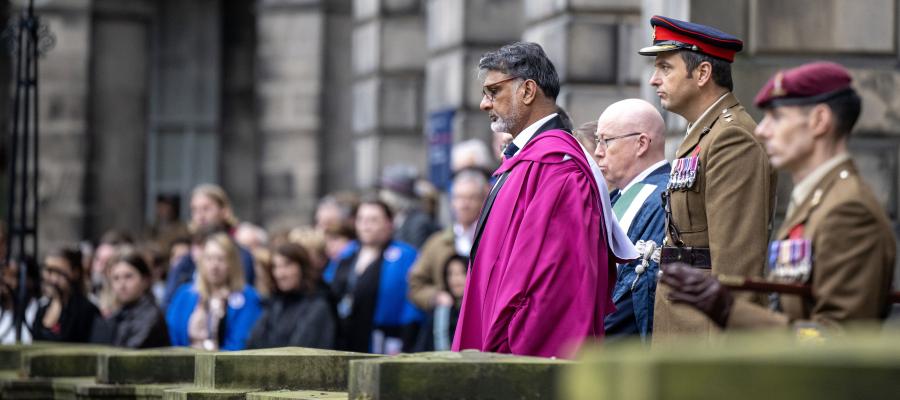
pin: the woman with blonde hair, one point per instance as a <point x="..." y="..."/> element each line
<point x="218" y="310"/>
<point x="210" y="211"/>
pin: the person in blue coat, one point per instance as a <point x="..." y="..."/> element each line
<point x="631" y="153"/>
<point x="218" y="310"/>
<point x="210" y="212"/>
<point x="369" y="282"/>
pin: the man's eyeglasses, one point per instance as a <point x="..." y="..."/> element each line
<point x="604" y="143"/>
<point x="490" y="91"/>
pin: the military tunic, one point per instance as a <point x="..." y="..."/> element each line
<point x="853" y="252"/>
<point x="727" y="209"/>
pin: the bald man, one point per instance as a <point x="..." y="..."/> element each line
<point x="631" y="153"/>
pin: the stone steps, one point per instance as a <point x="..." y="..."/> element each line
<point x="297" y="395"/>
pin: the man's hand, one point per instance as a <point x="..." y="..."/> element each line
<point x="443" y="298"/>
<point x="695" y="288"/>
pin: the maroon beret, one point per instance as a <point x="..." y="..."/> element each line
<point x="811" y="83"/>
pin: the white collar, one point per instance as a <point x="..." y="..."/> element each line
<point x="691" y="124"/>
<point x="527" y="133"/>
<point x="644" y="174"/>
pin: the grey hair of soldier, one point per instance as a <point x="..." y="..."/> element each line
<point x="523" y="60"/>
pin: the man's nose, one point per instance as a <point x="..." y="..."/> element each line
<point x="486" y="104"/>
<point x="654" y="80"/>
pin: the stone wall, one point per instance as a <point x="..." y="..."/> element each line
<point x="119" y="92"/>
<point x="64" y="75"/>
<point x="388" y="64"/>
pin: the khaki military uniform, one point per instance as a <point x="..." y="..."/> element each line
<point x="728" y="210"/>
<point x="853" y="250"/>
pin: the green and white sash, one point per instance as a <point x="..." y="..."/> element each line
<point x="630" y="202"/>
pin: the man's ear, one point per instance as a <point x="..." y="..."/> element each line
<point x="704" y="73"/>
<point x="643" y="144"/>
<point x="530" y="91"/>
<point x="820" y="120"/>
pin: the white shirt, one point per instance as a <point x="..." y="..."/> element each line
<point x="527" y="133"/>
<point x="643" y="175"/>
<point x="463" y="238"/>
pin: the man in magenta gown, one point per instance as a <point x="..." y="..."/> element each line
<point x="543" y="262"/>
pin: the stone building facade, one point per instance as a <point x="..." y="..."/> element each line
<point x="282" y="101"/>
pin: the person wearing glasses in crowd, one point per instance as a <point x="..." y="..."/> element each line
<point x="630" y="150"/>
<point x="541" y="266"/>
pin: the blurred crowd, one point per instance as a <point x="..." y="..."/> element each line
<point x="381" y="270"/>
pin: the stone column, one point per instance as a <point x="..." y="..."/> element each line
<point x="593" y="44"/>
<point x="388" y="63"/>
<point x="119" y="75"/>
<point x="64" y="78"/>
<point x="239" y="143"/>
<point x="289" y="52"/>
<point x="459" y="32"/>
<point x="336" y="141"/>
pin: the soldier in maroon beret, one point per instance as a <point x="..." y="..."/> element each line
<point x="836" y="245"/>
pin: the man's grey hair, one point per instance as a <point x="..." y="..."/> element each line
<point x="523" y="60"/>
<point x="470" y="175"/>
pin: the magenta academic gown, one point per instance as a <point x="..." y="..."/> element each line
<point x="540" y="280"/>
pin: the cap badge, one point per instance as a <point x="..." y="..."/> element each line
<point x="778" y="90"/>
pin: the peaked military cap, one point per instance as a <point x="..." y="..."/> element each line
<point x="810" y="83"/>
<point x="671" y="34"/>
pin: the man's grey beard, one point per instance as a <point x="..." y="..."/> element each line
<point x="506" y="125"/>
<point x="500" y="126"/>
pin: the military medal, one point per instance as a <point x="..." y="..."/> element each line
<point x="790" y="260"/>
<point x="684" y="173"/>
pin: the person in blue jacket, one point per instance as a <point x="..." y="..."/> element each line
<point x="218" y="310"/>
<point x="369" y="282"/>
<point x="210" y="211"/>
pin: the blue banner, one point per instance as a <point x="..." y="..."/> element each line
<point x="440" y="143"/>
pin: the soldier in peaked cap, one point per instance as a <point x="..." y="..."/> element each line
<point x="836" y="239"/>
<point x="721" y="191"/>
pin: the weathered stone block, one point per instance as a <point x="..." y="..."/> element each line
<point x="389" y="102"/>
<point x="452" y="79"/>
<point x="457" y="22"/>
<point x="823" y="26"/>
<point x="195" y="393"/>
<point x="541" y="9"/>
<point x="402" y="44"/>
<point x="582" y="48"/>
<point x="446" y="375"/>
<point x="759" y="367"/>
<point x="11" y="355"/>
<point x="365" y="9"/>
<point x="297" y="395"/>
<point x="75" y="361"/>
<point x="171" y="365"/>
<point x="586" y="102"/>
<point x="97" y="391"/>
<point x="727" y="16"/>
<point x="270" y="369"/>
<point x="41" y="388"/>
<point x="395" y="44"/>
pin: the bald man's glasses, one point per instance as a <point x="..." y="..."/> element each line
<point x="604" y="143"/>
